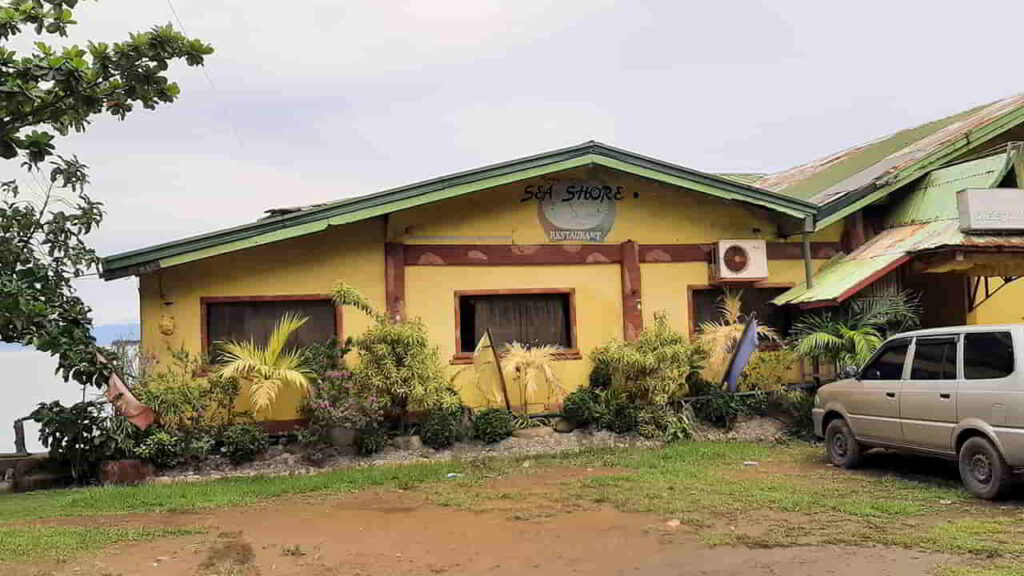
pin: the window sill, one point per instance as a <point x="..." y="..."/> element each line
<point x="467" y="357"/>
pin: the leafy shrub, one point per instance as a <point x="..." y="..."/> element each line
<point x="163" y="448"/>
<point x="327" y="356"/>
<point x="796" y="406"/>
<point x="662" y="423"/>
<point x="723" y="408"/>
<point x="199" y="445"/>
<point x="583" y="406"/>
<point x="655" y="368"/>
<point x="79" y="436"/>
<point x="371" y="440"/>
<point x="186" y="401"/>
<point x="244" y="442"/>
<point x="335" y="400"/>
<point x="769" y="370"/>
<point x="442" y="426"/>
<point x="619" y="413"/>
<point x="493" y="425"/>
<point x="396" y="360"/>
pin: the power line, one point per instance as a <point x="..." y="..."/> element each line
<point x="209" y="80"/>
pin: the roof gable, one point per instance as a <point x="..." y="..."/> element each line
<point x="315" y="219"/>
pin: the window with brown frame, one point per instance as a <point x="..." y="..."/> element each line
<point x="243" y="319"/>
<point x="530" y="317"/>
<point x="705" y="301"/>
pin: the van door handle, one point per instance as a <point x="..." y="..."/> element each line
<point x="890" y="394"/>
<point x="944" y="395"/>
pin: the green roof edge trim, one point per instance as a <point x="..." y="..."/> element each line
<point x="365" y="207"/>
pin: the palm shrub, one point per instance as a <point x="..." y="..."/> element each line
<point x="655" y="368"/>
<point x="850" y="334"/>
<point x="267" y="368"/>
<point x="397" y="360"/>
<point x="530" y="369"/>
<point x="720" y="337"/>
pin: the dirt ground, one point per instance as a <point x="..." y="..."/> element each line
<point x="396" y="532"/>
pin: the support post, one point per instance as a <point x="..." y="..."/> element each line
<point x="632" y="313"/>
<point x="19" y="436"/>
<point x="808" y="271"/>
<point x="394" y="280"/>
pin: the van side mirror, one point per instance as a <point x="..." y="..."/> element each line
<point x="851" y="372"/>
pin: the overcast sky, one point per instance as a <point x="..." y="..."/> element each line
<point x="317" y="100"/>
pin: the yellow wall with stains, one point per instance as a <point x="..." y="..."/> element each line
<point x="1004" y="307"/>
<point x="649" y="213"/>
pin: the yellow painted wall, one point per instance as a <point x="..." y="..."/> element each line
<point x="650" y="213"/>
<point x="430" y="295"/>
<point x="1005" y="307"/>
<point x="305" y="265"/>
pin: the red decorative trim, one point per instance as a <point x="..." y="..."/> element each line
<point x="573" y="348"/>
<point x="207" y="300"/>
<point x="632" y="314"/>
<point x="394" y="279"/>
<point x="545" y="254"/>
<point x="509" y="254"/>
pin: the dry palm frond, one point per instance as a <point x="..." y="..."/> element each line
<point x="528" y="368"/>
<point x="719" y="338"/>
<point x="267" y="368"/>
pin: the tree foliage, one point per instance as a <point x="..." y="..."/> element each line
<point x="46" y="92"/>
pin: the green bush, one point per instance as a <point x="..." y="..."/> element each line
<point x="796" y="406"/>
<point x="723" y="408"/>
<point x="244" y="442"/>
<point x="619" y="413"/>
<point x="769" y="370"/>
<point x="655" y="368"/>
<point x="583" y="406"/>
<point x="327" y="356"/>
<point x="662" y="423"/>
<point x="371" y="440"/>
<point x="162" y="448"/>
<point x="442" y="426"/>
<point x="81" y="435"/>
<point x="493" y="425"/>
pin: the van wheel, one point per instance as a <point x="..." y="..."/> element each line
<point x="982" y="468"/>
<point x="842" y="448"/>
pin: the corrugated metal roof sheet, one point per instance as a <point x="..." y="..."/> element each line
<point x="840" y="279"/>
<point x="875" y="163"/>
<point x="934" y="196"/>
<point x="742" y="177"/>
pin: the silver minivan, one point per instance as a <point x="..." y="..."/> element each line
<point x="950" y="392"/>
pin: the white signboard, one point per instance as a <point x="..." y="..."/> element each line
<point x="991" y="209"/>
<point x="575" y="211"/>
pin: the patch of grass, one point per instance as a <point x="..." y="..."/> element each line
<point x="215" y="493"/>
<point x="1016" y="569"/>
<point x="19" y="543"/>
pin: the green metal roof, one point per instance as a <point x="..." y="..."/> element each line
<point x="847" y="181"/>
<point x="934" y="197"/>
<point x="315" y="219"/>
<point x="841" y="278"/>
<point x="742" y="177"/>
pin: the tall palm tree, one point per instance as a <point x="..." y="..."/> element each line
<point x="267" y="368"/>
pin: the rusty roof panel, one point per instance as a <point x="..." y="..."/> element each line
<point x="877" y="162"/>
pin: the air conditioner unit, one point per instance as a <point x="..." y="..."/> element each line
<point x="740" y="261"/>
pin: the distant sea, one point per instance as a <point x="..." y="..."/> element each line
<point x="27" y="378"/>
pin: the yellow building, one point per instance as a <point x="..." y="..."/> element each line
<point x="583" y="245"/>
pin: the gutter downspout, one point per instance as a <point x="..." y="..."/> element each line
<point x="808" y="273"/>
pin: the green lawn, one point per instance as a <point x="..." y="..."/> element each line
<point x="788" y="498"/>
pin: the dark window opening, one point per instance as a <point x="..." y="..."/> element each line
<point x="888" y="362"/>
<point x="255" y="320"/>
<point x="934" y="359"/>
<point x="532" y="319"/>
<point x="755" y="300"/>
<point x="988" y="355"/>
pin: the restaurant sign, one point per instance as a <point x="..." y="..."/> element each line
<point x="575" y="211"/>
<point x="991" y="209"/>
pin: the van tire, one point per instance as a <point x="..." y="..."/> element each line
<point x="841" y="446"/>
<point x="982" y="469"/>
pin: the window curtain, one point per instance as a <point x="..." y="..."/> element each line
<point x="533" y="319"/>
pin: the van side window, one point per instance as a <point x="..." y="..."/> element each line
<point x="888" y="363"/>
<point x="934" y="359"/>
<point x="988" y="355"/>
